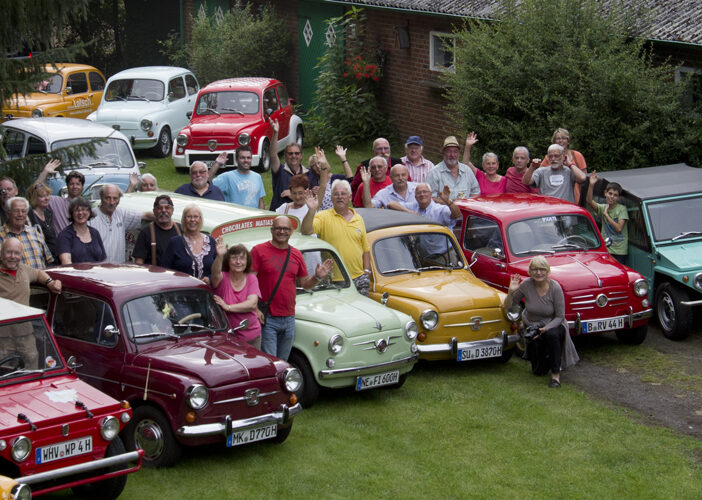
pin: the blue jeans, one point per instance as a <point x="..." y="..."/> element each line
<point x="277" y="335"/>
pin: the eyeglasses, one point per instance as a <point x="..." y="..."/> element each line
<point x="283" y="229"/>
<point x="539" y="270"/>
<point x="294" y="153"/>
<point x="22" y="211"/>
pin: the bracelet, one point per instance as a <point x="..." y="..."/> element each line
<point x="345" y="161"/>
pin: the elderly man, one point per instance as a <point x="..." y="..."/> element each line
<point x="381" y="147"/>
<point x="457" y="176"/>
<point x="113" y="222"/>
<point x="400" y="191"/>
<point x="514" y="175"/>
<point x="240" y="186"/>
<point x="153" y="239"/>
<point x="376" y="173"/>
<point x="146" y="182"/>
<point x="58" y="204"/>
<point x="8" y="189"/>
<point x="417" y="166"/>
<point x="279" y="267"/>
<point x="344" y="228"/>
<point x="445" y="213"/>
<point x="557" y="179"/>
<point x="35" y="252"/>
<point x="199" y="185"/>
<point x="282" y="173"/>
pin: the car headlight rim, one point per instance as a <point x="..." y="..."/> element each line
<point x="698" y="281"/>
<point x="197" y="396"/>
<point x="411" y="330"/>
<point x="336" y="344"/>
<point x="21" y="448"/>
<point x="641" y="287"/>
<point x="292" y="379"/>
<point x="21" y="492"/>
<point x="37" y="113"/>
<point x="109" y="428"/>
<point x="244" y="139"/>
<point x="146" y="125"/>
<point x="429" y="319"/>
<point x="182" y="140"/>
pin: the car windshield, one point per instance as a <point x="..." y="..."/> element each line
<point x="227" y="103"/>
<point x="336" y="279"/>
<point x="171" y="315"/>
<point x="135" y="89"/>
<point x="417" y="252"/>
<point x="51" y="85"/>
<point x="552" y="234"/>
<point x="109" y="152"/>
<point x="27" y="347"/>
<point x="667" y="222"/>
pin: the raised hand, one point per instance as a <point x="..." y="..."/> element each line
<point x="514" y="282"/>
<point x="341" y="152"/>
<point x="50" y="168"/>
<point x="445" y="195"/>
<point x="471" y="139"/>
<point x="593" y="178"/>
<point x="319" y="153"/>
<point x="275" y="126"/>
<point x="365" y="174"/>
<point x="222" y="247"/>
<point x="311" y="201"/>
<point x="222" y="158"/>
<point x="324" y="268"/>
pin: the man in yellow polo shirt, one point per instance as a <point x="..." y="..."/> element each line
<point x="342" y="227"/>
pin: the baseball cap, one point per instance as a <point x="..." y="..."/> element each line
<point x="451" y="141"/>
<point x="414" y="139"/>
<point x="163" y="197"/>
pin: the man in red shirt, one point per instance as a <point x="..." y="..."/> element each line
<point x="377" y="168"/>
<point x="268" y="262"/>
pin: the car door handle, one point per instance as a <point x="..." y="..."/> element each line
<point x="499" y="265"/>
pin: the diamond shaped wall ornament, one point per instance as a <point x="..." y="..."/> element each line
<point x="219" y="15"/>
<point x="307" y="33"/>
<point x="330" y="35"/>
<point x="201" y="11"/>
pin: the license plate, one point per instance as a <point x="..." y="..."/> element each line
<point x="603" y="325"/>
<point x="63" y="450"/>
<point x="251" y="435"/>
<point x="472" y="353"/>
<point x="378" y="380"/>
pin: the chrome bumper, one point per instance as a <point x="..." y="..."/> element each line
<point x="454" y="345"/>
<point x="691" y="302"/>
<point x="368" y="369"/>
<point x="577" y="325"/>
<point x="227" y="426"/>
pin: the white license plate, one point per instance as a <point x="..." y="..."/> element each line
<point x="251" y="435"/>
<point x="472" y="353"/>
<point x="377" y="380"/>
<point x="603" y="325"/>
<point x="63" y="450"/>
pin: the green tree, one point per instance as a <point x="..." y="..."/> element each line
<point x="563" y="63"/>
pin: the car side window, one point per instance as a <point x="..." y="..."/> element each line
<point x="35" y="146"/>
<point x="283" y="96"/>
<point x="482" y="235"/>
<point x="636" y="227"/>
<point x="39" y="297"/>
<point x="270" y="101"/>
<point x="97" y="82"/>
<point x="83" y="318"/>
<point x="176" y="89"/>
<point x="13" y="141"/>
<point x="78" y="83"/>
<point x="191" y="84"/>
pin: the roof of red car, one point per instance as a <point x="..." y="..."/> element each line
<point x="241" y="83"/>
<point x="513" y="206"/>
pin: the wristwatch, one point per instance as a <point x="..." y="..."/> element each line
<point x="48" y="280"/>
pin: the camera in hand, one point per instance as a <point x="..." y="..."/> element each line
<point x="530" y="332"/>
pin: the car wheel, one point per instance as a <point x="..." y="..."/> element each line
<point x="632" y="336"/>
<point x="151" y="431"/>
<point x="674" y="318"/>
<point x="163" y="146"/>
<point x="309" y="392"/>
<point x="299" y="136"/>
<point x="264" y="162"/>
<point x="107" y="489"/>
<point x="282" y="434"/>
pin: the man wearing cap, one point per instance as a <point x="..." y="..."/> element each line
<point x="153" y="239"/>
<point x="417" y="166"/>
<point x="450" y="172"/>
<point x="381" y="147"/>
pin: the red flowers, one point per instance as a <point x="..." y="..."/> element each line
<point x="358" y="69"/>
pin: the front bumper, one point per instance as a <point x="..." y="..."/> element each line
<point x="504" y="339"/>
<point x="208" y="157"/>
<point x="576" y="326"/>
<point x="367" y="369"/>
<point x="227" y="426"/>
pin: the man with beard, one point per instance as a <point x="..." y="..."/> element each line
<point x="457" y="176"/>
<point x="282" y="173"/>
<point x="199" y="186"/>
<point x="35" y="252"/>
<point x="153" y="239"/>
<point x="381" y="147"/>
<point x="240" y="186"/>
<point x="557" y="179"/>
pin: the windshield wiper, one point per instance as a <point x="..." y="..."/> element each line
<point x="194" y="326"/>
<point x="212" y="111"/>
<point x="535" y="250"/>
<point x="140" y="97"/>
<point x="21" y="371"/>
<point x="568" y="245"/>
<point x="401" y="270"/>
<point x="430" y="268"/>
<point x="157" y="334"/>
<point x="102" y="164"/>
<point x="232" y="109"/>
<point x="686" y="234"/>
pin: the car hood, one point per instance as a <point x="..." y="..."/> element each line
<point x="681" y="256"/>
<point x="454" y="291"/>
<point x="219" y="126"/>
<point x="585" y="270"/>
<point x="125" y="111"/>
<point x="32" y="100"/>
<point x="217" y="361"/>
<point x="50" y="401"/>
<point x="350" y="312"/>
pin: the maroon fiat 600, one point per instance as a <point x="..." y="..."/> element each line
<point x="501" y="233"/>
<point x="56" y="431"/>
<point x="157" y="339"/>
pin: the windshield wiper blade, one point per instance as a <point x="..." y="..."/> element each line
<point x="102" y="164"/>
<point x="139" y="97"/>
<point x="401" y="270"/>
<point x="22" y="371"/>
<point x="535" y="250"/>
<point x="686" y="234"/>
<point x="429" y="268"/>
<point x="213" y="111"/>
<point x="157" y="334"/>
<point x="232" y="109"/>
<point x="568" y="245"/>
<point x="195" y="326"/>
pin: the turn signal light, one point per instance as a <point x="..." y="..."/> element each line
<point x="190" y="417"/>
<point x="125" y="405"/>
<point x="292" y="400"/>
<point x="422" y="336"/>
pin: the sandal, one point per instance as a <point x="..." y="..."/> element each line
<point x="554" y="384"/>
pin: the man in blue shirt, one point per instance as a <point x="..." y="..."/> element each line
<point x="199" y="186"/>
<point x="240" y="186"/>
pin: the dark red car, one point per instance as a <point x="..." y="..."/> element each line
<point x="501" y="233"/>
<point x="56" y="431"/>
<point x="157" y="339"/>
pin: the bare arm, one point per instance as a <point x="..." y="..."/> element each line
<point x="588" y="199"/>
<point x="320" y="272"/>
<point x="49" y="168"/>
<point x="275" y="160"/>
<point x="341" y="153"/>
<point x="247" y="305"/>
<point x="65" y="259"/>
<point x="579" y="175"/>
<point x="367" y="199"/>
<point x="366" y="260"/>
<point x="535" y="163"/>
<point x="54" y="286"/>
<point x="216" y="271"/>
<point x="307" y="226"/>
<point x="455" y="211"/>
<point x="471" y="139"/>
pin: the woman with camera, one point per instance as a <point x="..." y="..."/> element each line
<point x="544" y="315"/>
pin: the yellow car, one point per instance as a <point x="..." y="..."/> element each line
<point x="419" y="269"/>
<point x="70" y="90"/>
<point x="12" y="490"/>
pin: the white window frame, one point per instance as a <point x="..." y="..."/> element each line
<point x="434" y="38"/>
<point x="687" y="70"/>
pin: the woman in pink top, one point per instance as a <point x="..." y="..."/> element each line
<point x="236" y="290"/>
<point x="489" y="180"/>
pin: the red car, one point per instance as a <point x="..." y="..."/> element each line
<point x="501" y="233"/>
<point x="56" y="431"/>
<point x="157" y="339"/>
<point x="237" y="112"/>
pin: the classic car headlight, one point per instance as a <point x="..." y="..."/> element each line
<point x="37" y="113"/>
<point x="698" y="281"/>
<point x="146" y="125"/>
<point x="429" y="319"/>
<point x="513" y="316"/>
<point x="244" y="139"/>
<point x="182" y="140"/>
<point x="292" y="378"/>
<point x="196" y="396"/>
<point x="336" y="344"/>
<point x="21" y="449"/>
<point x="109" y="428"/>
<point x="641" y="287"/>
<point x="411" y="330"/>
<point x="21" y="492"/>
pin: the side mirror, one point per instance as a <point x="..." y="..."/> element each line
<point x="141" y="164"/>
<point x="189" y="115"/>
<point x="269" y="111"/>
<point x="608" y="242"/>
<point x="498" y="253"/>
<point x="384" y="298"/>
<point x="68" y="91"/>
<point x="110" y="332"/>
<point x="243" y="325"/>
<point x="171" y="96"/>
<point x="473" y="259"/>
<point x="72" y="363"/>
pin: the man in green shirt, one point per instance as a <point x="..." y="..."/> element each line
<point x="614" y="218"/>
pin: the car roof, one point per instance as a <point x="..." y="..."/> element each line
<point x="71" y="67"/>
<point x="56" y="129"/>
<point x="9" y="309"/>
<point x="153" y="72"/>
<point x="378" y="218"/>
<point x="512" y="206"/>
<point x="241" y="83"/>
<point x="658" y="182"/>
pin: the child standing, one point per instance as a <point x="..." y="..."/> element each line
<point x="614" y="218"/>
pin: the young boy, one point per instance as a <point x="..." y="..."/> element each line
<point x="614" y="218"/>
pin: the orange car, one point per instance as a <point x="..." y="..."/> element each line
<point x="74" y="91"/>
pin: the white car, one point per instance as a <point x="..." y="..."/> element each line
<point x="149" y="105"/>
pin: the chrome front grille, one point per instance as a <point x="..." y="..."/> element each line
<point x="589" y="301"/>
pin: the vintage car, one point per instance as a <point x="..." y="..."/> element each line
<point x="501" y="233"/>
<point x="112" y="160"/>
<point x="149" y="105"/>
<point x="342" y="339"/>
<point x="237" y="112"/>
<point x="56" y="431"/>
<point x="157" y="339"/>
<point x="419" y="269"/>
<point x="12" y="490"/>
<point x="70" y="90"/>
<point x="665" y="238"/>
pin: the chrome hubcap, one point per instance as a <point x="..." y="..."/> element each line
<point x="666" y="312"/>
<point x="149" y="437"/>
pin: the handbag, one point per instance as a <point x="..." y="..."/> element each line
<point x="263" y="305"/>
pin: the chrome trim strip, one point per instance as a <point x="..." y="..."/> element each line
<point x="449" y="346"/>
<point x="228" y="426"/>
<point x="70" y="470"/>
<point x="122" y="384"/>
<point x="362" y="370"/>
<point x="243" y="398"/>
<point x="453" y="325"/>
<point x="691" y="302"/>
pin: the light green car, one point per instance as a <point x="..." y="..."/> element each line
<point x="342" y="339"/>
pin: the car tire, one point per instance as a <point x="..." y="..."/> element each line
<point x="108" y="489"/>
<point x="163" y="147"/>
<point x="309" y="392"/>
<point x="299" y="135"/>
<point x="264" y="162"/>
<point x="632" y="336"/>
<point x="282" y="434"/>
<point x="674" y="318"/>
<point x="150" y="430"/>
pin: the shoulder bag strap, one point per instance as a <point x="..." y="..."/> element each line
<point x="280" y="278"/>
<point x="152" y="230"/>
